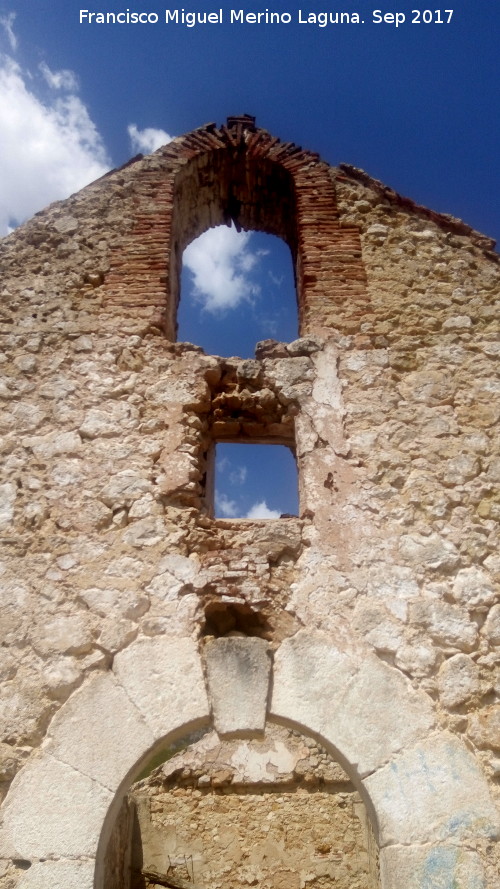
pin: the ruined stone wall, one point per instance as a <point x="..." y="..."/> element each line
<point x="390" y="403"/>
<point x="422" y="410"/>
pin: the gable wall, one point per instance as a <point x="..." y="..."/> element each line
<point x="392" y="399"/>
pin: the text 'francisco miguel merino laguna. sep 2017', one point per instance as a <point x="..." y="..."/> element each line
<point x="321" y="19"/>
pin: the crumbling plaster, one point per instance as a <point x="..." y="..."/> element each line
<point x="110" y="555"/>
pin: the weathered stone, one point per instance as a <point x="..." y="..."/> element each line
<point x="491" y="628"/>
<point x="427" y="387"/>
<point x="457" y="322"/>
<point x="66" y="224"/>
<point x="83" y="344"/>
<point x="116" y="602"/>
<point x="238" y="672"/>
<point x="175" y="573"/>
<point x="484" y="727"/>
<point x="461" y="469"/>
<point x="52" y="445"/>
<point x="270" y="349"/>
<point x="440" y="866"/>
<point x="144" y="532"/>
<point x="458" y="680"/>
<point x="191" y="392"/>
<point x="125" y="487"/>
<point x="447" y="624"/>
<point x="64" y="634"/>
<point x="373" y="622"/>
<point x="429" y="552"/>
<point x="117" y="634"/>
<point x="26" y="364"/>
<point x="431" y="793"/>
<point x="71" y="874"/>
<point x="120" y="728"/>
<point x="9" y="762"/>
<point x="62" y="676"/>
<point x="306" y="345"/>
<point x="473" y="588"/>
<point x="8" y="493"/>
<point x="417" y="659"/>
<point x="164" y="679"/>
<point x="43" y="824"/>
<point x="115" y="418"/>
<point x="326" y="688"/>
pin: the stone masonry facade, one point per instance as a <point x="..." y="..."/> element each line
<point x="131" y="617"/>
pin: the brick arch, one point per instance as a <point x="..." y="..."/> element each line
<point x="242" y="174"/>
<point x="422" y="786"/>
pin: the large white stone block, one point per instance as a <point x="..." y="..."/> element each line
<point x="53" y="810"/>
<point x="100" y="732"/>
<point x="59" y="875"/>
<point x="366" y="709"/>
<point x="238" y="671"/>
<point x="164" y="679"/>
<point x="430" y="867"/>
<point x="432" y="792"/>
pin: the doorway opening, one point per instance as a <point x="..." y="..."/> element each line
<point x="275" y="811"/>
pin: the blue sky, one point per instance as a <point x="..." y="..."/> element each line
<point x="416" y="106"/>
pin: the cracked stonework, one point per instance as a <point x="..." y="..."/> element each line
<point x="379" y="602"/>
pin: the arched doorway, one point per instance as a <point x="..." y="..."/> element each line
<point x="421" y="786"/>
<point x="274" y="811"/>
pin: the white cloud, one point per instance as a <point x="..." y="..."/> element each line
<point x="7" y="22"/>
<point x="147" y="140"/>
<point x="238" y="476"/>
<point x="277" y="280"/>
<point x="225" y="506"/>
<point x="222" y="464"/>
<point x="220" y="261"/>
<point x="262" y="511"/>
<point x="47" y="150"/>
<point x="59" y="80"/>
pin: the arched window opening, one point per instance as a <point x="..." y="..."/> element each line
<point x="237" y="288"/>
<point x="277" y="812"/>
<point x="255" y="481"/>
<point x="242" y="194"/>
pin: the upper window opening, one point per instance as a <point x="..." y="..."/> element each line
<point x="254" y="481"/>
<point x="237" y="288"/>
